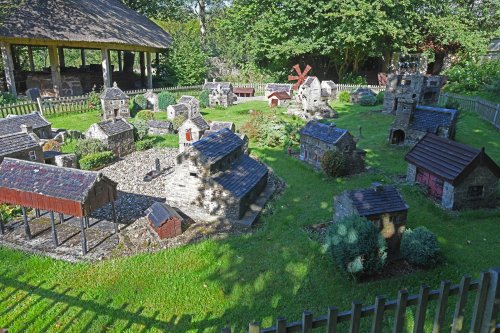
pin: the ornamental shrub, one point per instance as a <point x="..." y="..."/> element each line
<point x="204" y="99"/>
<point x="141" y="129"/>
<point x="89" y="146"/>
<point x="6" y="98"/>
<point x="420" y="247"/>
<point x="334" y="163"/>
<point x="472" y="76"/>
<point x="367" y="99"/>
<point x="270" y="130"/>
<point x="145" y="144"/>
<point x="8" y="212"/>
<point x="96" y="160"/>
<point x="356" y="246"/>
<point x="344" y="97"/>
<point x="94" y="100"/>
<point x="145" y="115"/>
<point x="52" y="145"/>
<point x="178" y="121"/>
<point x="141" y="101"/>
<point x="380" y="97"/>
<point x="165" y="99"/>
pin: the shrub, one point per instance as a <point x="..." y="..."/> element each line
<point x="6" y="98"/>
<point x="178" y="121"/>
<point x="96" y="160"/>
<point x="356" y="246"/>
<point x="367" y="99"/>
<point x="141" y="129"/>
<point x="351" y="78"/>
<point x="94" y="100"/>
<point x="89" y="146"/>
<point x="344" y="97"/>
<point x="334" y="163"/>
<point x="269" y="130"/>
<point x="204" y="99"/>
<point x="52" y="145"/>
<point x="380" y="97"/>
<point x="452" y="104"/>
<point x="141" y="101"/>
<point x="420" y="247"/>
<point x="8" y="212"/>
<point x="145" y="144"/>
<point x="472" y="76"/>
<point x="145" y="115"/>
<point x="165" y="99"/>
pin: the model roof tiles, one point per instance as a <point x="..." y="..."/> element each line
<point x="159" y="213"/>
<point x="323" y="132"/>
<point x="429" y="119"/>
<point x="281" y="95"/>
<point x="377" y="200"/>
<point x="218" y="145"/>
<point x="180" y="107"/>
<point x="114" y="127"/>
<point x="113" y="93"/>
<point x="275" y="87"/>
<point x="17" y="142"/>
<point x="214" y="85"/>
<point x="200" y="123"/>
<point x="12" y="124"/>
<point x="219" y="125"/>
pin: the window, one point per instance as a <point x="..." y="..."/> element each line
<point x="193" y="174"/>
<point x="32" y="155"/>
<point x="347" y="149"/>
<point x="475" y="191"/>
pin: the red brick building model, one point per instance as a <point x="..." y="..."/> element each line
<point x="455" y="175"/>
<point x="164" y="220"/>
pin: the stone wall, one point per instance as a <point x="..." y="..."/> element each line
<point x="112" y="109"/>
<point x="121" y="144"/>
<point x="34" y="154"/>
<point x="71" y="84"/>
<point x="481" y="176"/>
<point x="411" y="173"/>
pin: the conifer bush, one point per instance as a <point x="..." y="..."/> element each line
<point x="165" y="99"/>
<point x="334" y="164"/>
<point x="96" y="160"/>
<point x="420" y="247"/>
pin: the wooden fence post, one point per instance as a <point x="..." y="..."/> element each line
<point x="399" y="319"/>
<point x="331" y="325"/>
<point x="480" y="304"/>
<point x="40" y="105"/>
<point x="444" y="292"/>
<point x="458" y="317"/>
<point x="307" y="319"/>
<point x="355" y="317"/>
<point x="281" y="325"/>
<point x="496" y="115"/>
<point x="492" y="308"/>
<point x="254" y="327"/>
<point x="378" y="315"/>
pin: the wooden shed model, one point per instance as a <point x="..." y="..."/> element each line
<point x="279" y="98"/>
<point x="244" y="92"/>
<point x="164" y="220"/>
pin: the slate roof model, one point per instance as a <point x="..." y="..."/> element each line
<point x="308" y="81"/>
<point x="242" y="176"/>
<point x="16" y="142"/>
<point x="214" y="85"/>
<point x="187" y="99"/>
<point x="200" y="123"/>
<point x="114" y="127"/>
<point x="448" y="159"/>
<point x="160" y="124"/>
<point x="329" y="83"/>
<point x="159" y="213"/>
<point x="219" y="125"/>
<point x="218" y="145"/>
<point x="12" y="124"/>
<point x="377" y="200"/>
<point x="48" y="180"/>
<point x="87" y="21"/>
<point x="275" y="87"/>
<point x="323" y="132"/>
<point x="181" y="107"/>
<point x="429" y="118"/>
<point x="113" y="93"/>
<point x="281" y="95"/>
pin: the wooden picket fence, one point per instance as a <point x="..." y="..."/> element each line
<point x="483" y="317"/>
<point x="485" y="109"/>
<point x="19" y="108"/>
<point x="176" y="90"/>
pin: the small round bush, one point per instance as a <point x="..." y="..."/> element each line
<point x="165" y="99"/>
<point x="367" y="99"/>
<point x="96" y="160"/>
<point x="141" y="101"/>
<point x="344" y="97"/>
<point x="145" y="115"/>
<point x="204" y="99"/>
<point x="334" y="163"/>
<point x="178" y="121"/>
<point x="356" y="246"/>
<point x="145" y="144"/>
<point x="141" y="129"/>
<point x="380" y="97"/>
<point x="420" y="247"/>
<point x="89" y="146"/>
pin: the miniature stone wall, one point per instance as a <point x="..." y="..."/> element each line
<point x="481" y="176"/>
<point x="411" y="173"/>
<point x="66" y="160"/>
<point x="112" y="109"/>
<point x="71" y="84"/>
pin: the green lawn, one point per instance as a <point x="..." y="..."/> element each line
<point x="276" y="270"/>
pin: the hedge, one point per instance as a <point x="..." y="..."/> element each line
<point x="96" y="160"/>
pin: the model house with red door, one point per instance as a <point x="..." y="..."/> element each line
<point x="191" y="131"/>
<point x="455" y="175"/>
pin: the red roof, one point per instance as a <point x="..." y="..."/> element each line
<point x="281" y="95"/>
<point x="239" y="90"/>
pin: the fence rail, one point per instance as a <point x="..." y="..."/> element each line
<point x="485" y="109"/>
<point x="484" y="316"/>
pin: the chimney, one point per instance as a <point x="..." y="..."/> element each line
<point x="378" y="187"/>
<point x="331" y="127"/>
<point x="206" y="81"/>
<point x="213" y="80"/>
<point x="26" y="129"/>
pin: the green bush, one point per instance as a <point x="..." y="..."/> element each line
<point x="141" y="129"/>
<point x="9" y="212"/>
<point x="334" y="163"/>
<point x="96" y="160"/>
<point x="271" y="130"/>
<point x="452" y="104"/>
<point x="178" y="121"/>
<point x="473" y="76"/>
<point x="380" y="97"/>
<point x="6" y="98"/>
<point x="165" y="99"/>
<point x="351" y="78"/>
<point x="204" y="99"/>
<point x="344" y="97"/>
<point x="356" y="246"/>
<point x="367" y="99"/>
<point x="141" y="102"/>
<point x="420" y="247"/>
<point x="94" y="100"/>
<point x="145" y="144"/>
<point x="145" y="115"/>
<point x="89" y="146"/>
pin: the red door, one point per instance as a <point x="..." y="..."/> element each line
<point x="434" y="184"/>
<point x="274" y="102"/>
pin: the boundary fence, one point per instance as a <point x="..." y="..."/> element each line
<point x="485" y="109"/>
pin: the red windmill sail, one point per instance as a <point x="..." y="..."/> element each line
<point x="300" y="77"/>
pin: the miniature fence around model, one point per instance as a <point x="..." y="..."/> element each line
<point x="485" y="109"/>
<point x="482" y="317"/>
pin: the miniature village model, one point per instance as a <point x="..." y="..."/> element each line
<point x="278" y="88"/>
<point x="114" y="103"/>
<point x="117" y="135"/>
<point x="23" y="145"/>
<point x="191" y="131"/>
<point x="164" y="220"/>
<point x="311" y="100"/>
<point x="188" y="107"/>
<point x="39" y="125"/>
<point x="220" y="93"/>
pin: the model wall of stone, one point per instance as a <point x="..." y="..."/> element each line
<point x="113" y="109"/>
<point x="185" y="140"/>
<point x="120" y="144"/>
<point x="34" y="154"/>
<point x="312" y="149"/>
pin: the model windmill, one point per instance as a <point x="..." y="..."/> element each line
<point x="300" y="77"/>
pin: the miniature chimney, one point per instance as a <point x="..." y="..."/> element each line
<point x="157" y="165"/>
<point x="377" y="187"/>
<point x="26" y="129"/>
<point x="331" y="127"/>
<point x="206" y="81"/>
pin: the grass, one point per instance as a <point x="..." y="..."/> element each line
<point x="276" y="270"/>
<point x="75" y="121"/>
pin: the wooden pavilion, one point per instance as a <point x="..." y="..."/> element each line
<point x="105" y="25"/>
<point x="57" y="190"/>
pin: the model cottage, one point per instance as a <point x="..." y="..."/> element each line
<point x="215" y="176"/>
<point x="413" y="121"/>
<point x="114" y="103"/>
<point x="316" y="138"/>
<point x="164" y="220"/>
<point x="117" y="135"/>
<point x="314" y="100"/>
<point x="220" y="93"/>
<point x="191" y="131"/>
<point x="188" y="107"/>
<point x="23" y="145"/>
<point x="279" y="98"/>
<point x="455" y="175"/>
<point x="38" y="124"/>
<point x="278" y="88"/>
<point x="383" y="205"/>
<point x="216" y="126"/>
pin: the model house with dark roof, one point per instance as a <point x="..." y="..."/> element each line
<point x="413" y="121"/>
<point x="160" y="127"/>
<point x="176" y="110"/>
<point x="117" y="135"/>
<point x="191" y="131"/>
<point x="329" y="90"/>
<point x="455" y="175"/>
<point x="215" y="176"/>
<point x="23" y="145"/>
<point x="383" y="205"/>
<point x="220" y="93"/>
<point x="316" y="138"/>
<point x="39" y="125"/>
<point x="164" y="220"/>
<point x="193" y="105"/>
<point x="114" y="103"/>
<point x="216" y="126"/>
<point x="278" y="87"/>
<point x="279" y="98"/>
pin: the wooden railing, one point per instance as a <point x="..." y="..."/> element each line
<point x="484" y="315"/>
<point x="485" y="109"/>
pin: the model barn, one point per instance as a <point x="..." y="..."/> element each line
<point x="455" y="175"/>
<point x="279" y="98"/>
<point x="164" y="220"/>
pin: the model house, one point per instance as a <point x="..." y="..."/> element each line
<point x="114" y="103"/>
<point x="117" y="135"/>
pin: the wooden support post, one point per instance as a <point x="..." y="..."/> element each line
<point x="83" y="237"/>
<point x="30" y="59"/>
<point x="458" y="316"/>
<point x="37" y="213"/>
<point x="61" y="218"/>
<point x="378" y="316"/>
<point x="355" y="317"/>
<point x="55" y="70"/>
<point x="143" y="67"/>
<point x="157" y="60"/>
<point x="120" y="62"/>
<point x="60" y="52"/>
<point x="399" y="317"/>
<point x="480" y="303"/>
<point x="82" y="56"/>
<point x="150" y="70"/>
<point x="423" y="299"/>
<point x="8" y="65"/>
<point x="281" y="325"/>
<point x="2" y="227"/>
<point x="106" y="68"/>
<point x="54" y="231"/>
<point x="331" y="324"/>
<point x="26" y="225"/>
<point x="87" y="222"/>
<point x="115" y="222"/>
<point x="492" y="308"/>
<point x="307" y="320"/>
